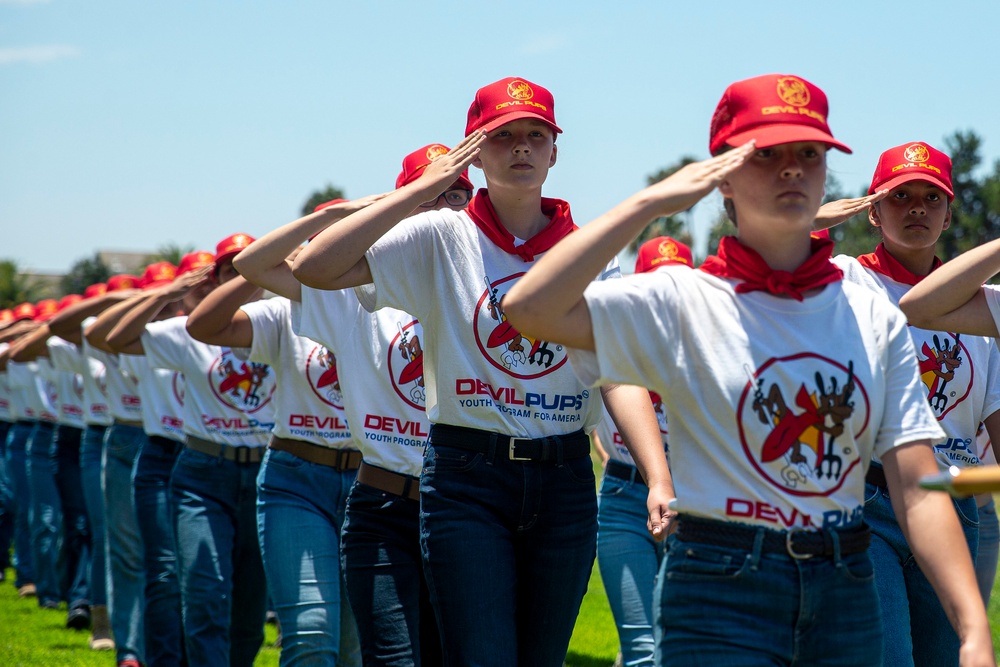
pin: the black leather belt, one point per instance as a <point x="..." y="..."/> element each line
<point x="623" y="471"/>
<point x="552" y="448"/>
<point x="876" y="477"/>
<point x="798" y="543"/>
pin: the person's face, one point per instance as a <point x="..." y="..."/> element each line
<point x="226" y="272"/>
<point x="456" y="198"/>
<point x="912" y="216"/>
<point x="518" y="154"/>
<point x="780" y="184"/>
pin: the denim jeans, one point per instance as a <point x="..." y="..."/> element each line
<point x="989" y="546"/>
<point x="385" y="580"/>
<point x="629" y="559"/>
<point x="223" y="589"/>
<point x="7" y="512"/>
<point x="127" y="576"/>
<point x="737" y="608"/>
<point x="76" y="528"/>
<point x="917" y="631"/>
<point x="91" y="472"/>
<point x="164" y="635"/>
<point x="17" y="469"/>
<point x="44" y="514"/>
<point x="508" y="549"/>
<point x="300" y="510"/>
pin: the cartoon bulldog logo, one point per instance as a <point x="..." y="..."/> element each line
<point x="321" y="372"/>
<point x="508" y="350"/>
<point x="805" y="447"/>
<point x="243" y="385"/>
<point x="406" y="364"/>
<point x="944" y="369"/>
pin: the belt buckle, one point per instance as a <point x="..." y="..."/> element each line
<point x="790" y="548"/>
<point x="241" y="454"/>
<point x="510" y="452"/>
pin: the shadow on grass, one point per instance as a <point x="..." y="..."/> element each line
<point x="574" y="659"/>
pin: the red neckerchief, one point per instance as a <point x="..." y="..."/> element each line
<point x="736" y="260"/>
<point x="882" y="262"/>
<point x="481" y="211"/>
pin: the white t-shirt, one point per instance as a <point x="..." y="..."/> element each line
<point x="162" y="394"/>
<point x="95" y="385"/>
<point x="67" y="360"/>
<point x="32" y="384"/>
<point x="479" y="372"/>
<point x="776" y="406"/>
<point x="961" y="379"/>
<point x="123" y="392"/>
<point x="612" y="440"/>
<point x="308" y="402"/>
<point x="226" y="400"/>
<point x="381" y="377"/>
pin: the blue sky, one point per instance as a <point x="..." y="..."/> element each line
<point x="129" y="125"/>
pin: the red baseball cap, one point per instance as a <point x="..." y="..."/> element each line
<point x="662" y="251"/>
<point x="69" y="300"/>
<point x="510" y="99"/>
<point x="771" y="109"/>
<point x="415" y="163"/>
<point x="45" y="309"/>
<point x="97" y="289"/>
<point x="158" y="274"/>
<point x="231" y="246"/>
<point x="24" y="311"/>
<point x="194" y="260"/>
<point x="122" y="281"/>
<point x="916" y="161"/>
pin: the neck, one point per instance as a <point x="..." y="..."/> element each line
<point x="919" y="262"/>
<point x="519" y="212"/>
<point x="782" y="252"/>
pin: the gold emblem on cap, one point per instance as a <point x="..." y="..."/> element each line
<point x="436" y="151"/>
<point x="668" y="249"/>
<point x="916" y="153"/>
<point x="519" y="90"/>
<point x="793" y="90"/>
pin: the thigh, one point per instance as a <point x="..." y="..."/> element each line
<point x="989" y="548"/>
<point x="890" y="557"/>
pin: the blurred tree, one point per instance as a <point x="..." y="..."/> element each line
<point x="171" y="252"/>
<point x="677" y="226"/>
<point x="84" y="273"/>
<point x="15" y="287"/>
<point x="322" y="196"/>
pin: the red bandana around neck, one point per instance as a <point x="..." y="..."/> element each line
<point x="738" y="261"/>
<point x="481" y="211"/>
<point x="882" y="262"/>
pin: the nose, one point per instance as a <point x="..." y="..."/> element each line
<point x="521" y="146"/>
<point x="792" y="168"/>
<point x="917" y="206"/>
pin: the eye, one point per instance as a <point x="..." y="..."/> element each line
<point x="765" y="153"/>
<point x="810" y="152"/>
<point x="899" y="194"/>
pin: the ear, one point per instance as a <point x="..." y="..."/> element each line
<point x="947" y="219"/>
<point x="725" y="189"/>
<point x="552" y="158"/>
<point x="477" y="162"/>
<point x="873" y="215"/>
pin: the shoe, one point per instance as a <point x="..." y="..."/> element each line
<point x="27" y="591"/>
<point x="129" y="662"/>
<point x="78" y="618"/>
<point x="49" y="604"/>
<point x="271" y="617"/>
<point x="100" y="629"/>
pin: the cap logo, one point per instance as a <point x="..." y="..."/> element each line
<point x="519" y="90"/>
<point x="916" y="153"/>
<point x="435" y="151"/>
<point x="793" y="90"/>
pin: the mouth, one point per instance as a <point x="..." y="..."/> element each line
<point x="522" y="166"/>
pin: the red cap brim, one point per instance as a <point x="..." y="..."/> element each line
<point x="500" y="121"/>
<point x="907" y="178"/>
<point x="774" y="135"/>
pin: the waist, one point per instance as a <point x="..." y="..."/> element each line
<point x="237" y="453"/>
<point x="134" y="423"/>
<point x="341" y="459"/>
<point x="876" y="476"/>
<point x="556" y="448"/>
<point x="624" y="471"/>
<point x="404" y="486"/>
<point x="166" y="444"/>
<point x="797" y="543"/>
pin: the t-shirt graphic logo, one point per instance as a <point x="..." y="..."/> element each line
<point x="245" y="386"/>
<point x="943" y="370"/>
<point x="508" y="350"/>
<point x="177" y="383"/>
<point x="78" y="386"/>
<point x="321" y="372"/>
<point x="806" y="447"/>
<point x="406" y="364"/>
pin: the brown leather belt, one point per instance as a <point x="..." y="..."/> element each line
<point x="136" y="423"/>
<point x="404" y="486"/>
<point x="236" y="453"/>
<point x="341" y="459"/>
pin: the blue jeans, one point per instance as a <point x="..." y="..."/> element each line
<point x="989" y="549"/>
<point x="508" y="549"/>
<point x="76" y="528"/>
<point x="737" y="608"/>
<point x="223" y="589"/>
<point x="127" y="576"/>
<point x="917" y="631"/>
<point x="6" y="500"/>
<point x="17" y="468"/>
<point x="91" y="467"/>
<point x="44" y="514"/>
<point x="154" y="508"/>
<point x="385" y="580"/>
<point x="629" y="559"/>
<point x="300" y="510"/>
